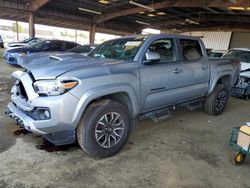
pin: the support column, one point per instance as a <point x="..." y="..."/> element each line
<point x="92" y="29"/>
<point x="76" y="35"/>
<point x="31" y="24"/>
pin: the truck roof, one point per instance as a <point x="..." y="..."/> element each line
<point x="163" y="35"/>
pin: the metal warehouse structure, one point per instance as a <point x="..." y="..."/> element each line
<point x="127" y="16"/>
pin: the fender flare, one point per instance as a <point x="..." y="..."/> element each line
<point x="101" y="91"/>
<point x="214" y="83"/>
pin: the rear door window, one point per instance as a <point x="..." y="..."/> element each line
<point x="191" y="49"/>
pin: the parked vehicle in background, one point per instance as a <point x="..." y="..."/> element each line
<point x="1" y="42"/>
<point x="242" y="89"/>
<point x="26" y="42"/>
<point x="96" y="100"/>
<point x="84" y="50"/>
<point x="10" y="55"/>
<point x="242" y="53"/>
<point x="216" y="54"/>
<point x="41" y="57"/>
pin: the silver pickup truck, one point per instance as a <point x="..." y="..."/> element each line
<point x="97" y="99"/>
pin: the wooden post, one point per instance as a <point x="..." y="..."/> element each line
<point x="92" y="30"/>
<point x="31" y="24"/>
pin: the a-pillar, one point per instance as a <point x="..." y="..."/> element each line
<point x="92" y="30"/>
<point x="31" y="24"/>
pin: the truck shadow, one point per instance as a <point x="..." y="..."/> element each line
<point x="49" y="147"/>
<point x="43" y="144"/>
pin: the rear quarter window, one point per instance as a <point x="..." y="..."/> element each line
<point x="191" y="49"/>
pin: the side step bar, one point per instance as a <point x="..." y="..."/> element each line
<point x="158" y="115"/>
<point x="164" y="113"/>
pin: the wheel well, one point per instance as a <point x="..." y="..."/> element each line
<point x="120" y="97"/>
<point x="225" y="80"/>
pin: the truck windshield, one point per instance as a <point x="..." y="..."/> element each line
<point x="122" y="49"/>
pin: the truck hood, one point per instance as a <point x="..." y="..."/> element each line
<point x="245" y="74"/>
<point x="57" y="66"/>
<point x="245" y="65"/>
<point x="39" y="58"/>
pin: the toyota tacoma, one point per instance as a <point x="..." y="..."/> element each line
<point x="97" y="99"/>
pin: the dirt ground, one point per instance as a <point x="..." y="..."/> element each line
<point x="191" y="149"/>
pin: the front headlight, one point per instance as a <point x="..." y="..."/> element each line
<point x="54" y="87"/>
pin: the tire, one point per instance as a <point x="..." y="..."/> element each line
<point x="216" y="102"/>
<point x="239" y="158"/>
<point x="104" y="129"/>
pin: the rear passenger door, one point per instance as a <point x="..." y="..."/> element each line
<point x="195" y="66"/>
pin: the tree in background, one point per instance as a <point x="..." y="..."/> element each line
<point x="20" y="28"/>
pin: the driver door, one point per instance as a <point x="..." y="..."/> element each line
<point x="161" y="81"/>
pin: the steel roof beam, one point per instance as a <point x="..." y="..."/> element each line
<point x="37" y="4"/>
<point x="176" y="3"/>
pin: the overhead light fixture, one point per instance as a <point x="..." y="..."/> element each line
<point x="143" y="23"/>
<point x="239" y="8"/>
<point x="88" y="10"/>
<point x="151" y="15"/>
<point x="192" y="22"/>
<point x="161" y="13"/>
<point x="141" y="12"/>
<point x="104" y="2"/>
<point x="141" y="5"/>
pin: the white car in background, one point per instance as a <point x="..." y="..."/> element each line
<point x="216" y="54"/>
<point x="242" y="89"/>
<point x="242" y="53"/>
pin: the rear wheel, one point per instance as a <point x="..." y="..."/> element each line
<point x="104" y="129"/>
<point x="216" y="102"/>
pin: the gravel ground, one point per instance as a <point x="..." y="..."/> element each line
<point x="191" y="149"/>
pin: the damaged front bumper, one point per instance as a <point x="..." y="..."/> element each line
<point x="242" y="89"/>
<point x="49" y="116"/>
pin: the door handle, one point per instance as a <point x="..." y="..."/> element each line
<point x="204" y="67"/>
<point x="177" y="71"/>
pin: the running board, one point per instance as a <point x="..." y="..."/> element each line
<point x="194" y="105"/>
<point x="157" y="115"/>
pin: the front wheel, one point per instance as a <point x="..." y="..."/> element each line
<point x="216" y="102"/>
<point x="104" y="129"/>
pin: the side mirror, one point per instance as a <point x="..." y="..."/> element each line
<point x="152" y="57"/>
